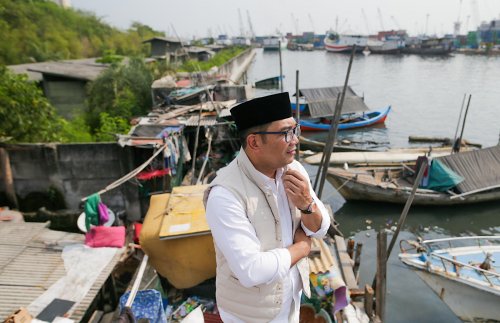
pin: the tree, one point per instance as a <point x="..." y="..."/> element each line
<point x="25" y="114"/>
<point x="123" y="90"/>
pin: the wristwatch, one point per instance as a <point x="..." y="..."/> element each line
<point x="309" y="208"/>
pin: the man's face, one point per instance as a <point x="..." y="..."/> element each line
<point x="276" y="152"/>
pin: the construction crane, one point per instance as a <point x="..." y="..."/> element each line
<point x="295" y="24"/>
<point x="365" y="19"/>
<point x="250" y="26"/>
<point x="395" y="22"/>
<point x="240" y="21"/>
<point x="380" y="20"/>
<point x="312" y="22"/>
<point x="457" y="24"/>
<point x="475" y="14"/>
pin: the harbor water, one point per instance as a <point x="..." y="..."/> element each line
<point x="426" y="95"/>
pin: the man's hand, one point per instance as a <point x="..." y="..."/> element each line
<point x="297" y="189"/>
<point x="301" y="246"/>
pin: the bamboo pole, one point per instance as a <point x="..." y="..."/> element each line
<point x="281" y="67"/>
<point x="380" y="290"/>
<point x="334" y="127"/>
<point x="458" y="142"/>
<point x="297" y="107"/>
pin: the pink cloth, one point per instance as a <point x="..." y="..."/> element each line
<point x="101" y="236"/>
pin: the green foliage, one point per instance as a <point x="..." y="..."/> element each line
<point x="25" y="114"/>
<point x="40" y="30"/>
<point x="111" y="126"/>
<point x="121" y="91"/>
<point x="218" y="59"/>
<point x="76" y="130"/>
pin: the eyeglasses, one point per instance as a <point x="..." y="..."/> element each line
<point x="288" y="134"/>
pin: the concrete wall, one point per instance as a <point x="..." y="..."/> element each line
<point x="235" y="69"/>
<point x="76" y="170"/>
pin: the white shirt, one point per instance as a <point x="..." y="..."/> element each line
<point x="235" y="237"/>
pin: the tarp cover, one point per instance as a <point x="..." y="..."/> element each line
<point x="480" y="168"/>
<point x="322" y="101"/>
<point x="441" y="178"/>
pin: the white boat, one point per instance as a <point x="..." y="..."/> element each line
<point x="274" y="43"/>
<point x="385" y="46"/>
<point x="344" y="43"/>
<point x="461" y="271"/>
<point x="392" y="156"/>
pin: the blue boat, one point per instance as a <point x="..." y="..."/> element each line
<point x="350" y="121"/>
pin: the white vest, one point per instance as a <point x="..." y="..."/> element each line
<point x="259" y="303"/>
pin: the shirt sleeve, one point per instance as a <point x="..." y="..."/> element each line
<point x="235" y="237"/>
<point x="325" y="221"/>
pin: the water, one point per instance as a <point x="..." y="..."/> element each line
<point x="426" y="95"/>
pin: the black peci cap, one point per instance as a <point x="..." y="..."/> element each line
<point x="262" y="110"/>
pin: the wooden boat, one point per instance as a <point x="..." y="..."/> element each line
<point x="269" y="83"/>
<point x="348" y="121"/>
<point x="394" y="184"/>
<point x="314" y="145"/>
<point x="176" y="237"/>
<point x="428" y="46"/>
<point x="465" y="277"/>
<point x="388" y="157"/>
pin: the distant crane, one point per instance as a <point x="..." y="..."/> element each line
<point x="395" y="22"/>
<point x="366" y="21"/>
<point x="240" y="21"/>
<point x="295" y="24"/>
<point x="457" y="24"/>
<point x="381" y="21"/>
<point x="312" y="22"/>
<point x="250" y="26"/>
<point x="475" y="14"/>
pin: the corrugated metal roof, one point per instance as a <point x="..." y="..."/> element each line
<point x="322" y="101"/>
<point x="86" y="72"/>
<point x="479" y="168"/>
<point x="324" y="261"/>
<point x="205" y="121"/>
<point x="29" y="266"/>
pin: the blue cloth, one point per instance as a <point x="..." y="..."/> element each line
<point x="147" y="304"/>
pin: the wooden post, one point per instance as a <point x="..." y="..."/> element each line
<point x="350" y="248"/>
<point x="357" y="258"/>
<point x="368" y="301"/>
<point x="381" y="275"/>
<point x="8" y="180"/>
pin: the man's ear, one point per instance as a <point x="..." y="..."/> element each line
<point x="253" y="142"/>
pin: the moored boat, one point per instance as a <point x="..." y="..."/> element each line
<point x="461" y="271"/>
<point x="462" y="178"/>
<point x="337" y="43"/>
<point x="318" y="108"/>
<point x="348" y="121"/>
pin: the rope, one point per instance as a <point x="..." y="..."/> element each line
<point x="129" y="176"/>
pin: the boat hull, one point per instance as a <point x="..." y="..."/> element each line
<point x="352" y="189"/>
<point x="467" y="302"/>
<point x="373" y="118"/>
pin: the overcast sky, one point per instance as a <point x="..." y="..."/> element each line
<point x="203" y="18"/>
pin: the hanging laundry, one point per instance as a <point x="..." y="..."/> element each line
<point x="91" y="210"/>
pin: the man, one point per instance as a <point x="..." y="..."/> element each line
<point x="262" y="213"/>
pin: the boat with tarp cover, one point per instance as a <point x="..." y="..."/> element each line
<point x="461" y="178"/>
<point x="317" y="107"/>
